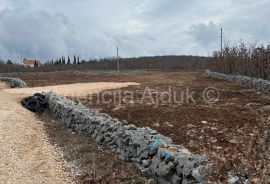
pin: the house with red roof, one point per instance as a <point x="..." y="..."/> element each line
<point x="30" y="62"/>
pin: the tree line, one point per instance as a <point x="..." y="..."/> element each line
<point x="152" y="62"/>
<point x="63" y="60"/>
<point x="243" y="59"/>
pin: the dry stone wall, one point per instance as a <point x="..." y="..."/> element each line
<point x="258" y="84"/>
<point x="14" y="82"/>
<point x="154" y="154"/>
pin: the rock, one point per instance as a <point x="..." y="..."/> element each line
<point x="259" y="84"/>
<point x="200" y="172"/>
<point x="144" y="155"/>
<point x="176" y="179"/>
<point x="151" y="131"/>
<point x="167" y="154"/>
<point x="146" y="163"/>
<point x="14" y="82"/>
<point x="164" y="169"/>
<point x="100" y="139"/>
<point x="154" y="165"/>
<point x="162" y="180"/>
<point x="204" y="122"/>
<point x="131" y="151"/>
<point x="153" y="147"/>
<point x="181" y="161"/>
<point x="107" y="137"/>
<point x="143" y="148"/>
<point x="79" y="127"/>
<point x="187" y="169"/>
<point x="233" y="178"/>
<point x="125" y="122"/>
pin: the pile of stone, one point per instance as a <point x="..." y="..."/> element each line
<point x="258" y="84"/>
<point x="153" y="153"/>
<point x="14" y="82"/>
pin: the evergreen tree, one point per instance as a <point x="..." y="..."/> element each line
<point x="9" y="62"/>
<point x="68" y="61"/>
<point x="78" y="60"/>
<point x="52" y="62"/>
<point x="74" y="60"/>
<point x="63" y="60"/>
<point x="35" y="64"/>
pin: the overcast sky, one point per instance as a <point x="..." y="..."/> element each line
<point x="44" y="29"/>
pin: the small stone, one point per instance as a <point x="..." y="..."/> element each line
<point x="176" y="179"/>
<point x="166" y="155"/>
<point x="188" y="167"/>
<point x="164" y="169"/>
<point x="153" y="147"/>
<point x="201" y="172"/>
<point x="100" y="139"/>
<point x="144" y="155"/>
<point x="125" y="122"/>
<point x="146" y="163"/>
<point x="154" y="165"/>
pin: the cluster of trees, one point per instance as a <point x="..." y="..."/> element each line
<point x="243" y="59"/>
<point x="155" y="62"/>
<point x="63" y="60"/>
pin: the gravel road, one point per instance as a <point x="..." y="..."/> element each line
<point x="74" y="90"/>
<point x="26" y="156"/>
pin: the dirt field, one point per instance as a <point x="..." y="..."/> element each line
<point x="233" y="132"/>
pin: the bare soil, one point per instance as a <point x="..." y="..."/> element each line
<point x="233" y="132"/>
<point x="75" y="90"/>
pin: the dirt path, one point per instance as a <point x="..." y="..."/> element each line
<point x="75" y="90"/>
<point x="25" y="153"/>
<point x="26" y="156"/>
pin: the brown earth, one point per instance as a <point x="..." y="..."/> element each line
<point x="233" y="132"/>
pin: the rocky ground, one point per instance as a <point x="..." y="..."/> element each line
<point x="233" y="132"/>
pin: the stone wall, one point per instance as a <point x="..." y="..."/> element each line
<point x="258" y="84"/>
<point x="154" y="154"/>
<point x="14" y="82"/>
